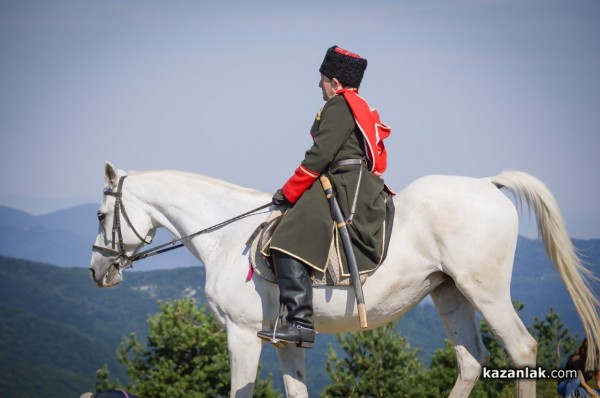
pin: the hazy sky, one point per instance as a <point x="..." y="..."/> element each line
<point x="229" y="89"/>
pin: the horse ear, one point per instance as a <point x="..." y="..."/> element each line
<point x="110" y="174"/>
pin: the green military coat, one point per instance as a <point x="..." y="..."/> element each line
<point x="307" y="229"/>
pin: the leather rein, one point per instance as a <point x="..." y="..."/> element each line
<point x="118" y="234"/>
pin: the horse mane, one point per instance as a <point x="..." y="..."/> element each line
<point x="200" y="179"/>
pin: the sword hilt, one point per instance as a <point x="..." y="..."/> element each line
<point x="326" y="184"/>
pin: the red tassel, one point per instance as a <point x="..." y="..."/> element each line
<point x="250" y="273"/>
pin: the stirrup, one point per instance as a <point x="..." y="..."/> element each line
<point x="274" y="341"/>
<point x="301" y="341"/>
<point x="305" y="337"/>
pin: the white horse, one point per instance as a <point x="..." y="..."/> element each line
<point x="454" y="238"/>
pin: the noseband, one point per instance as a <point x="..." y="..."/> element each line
<point x="116" y="229"/>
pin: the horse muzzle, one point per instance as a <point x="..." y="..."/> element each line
<point x="111" y="277"/>
<point x="107" y="270"/>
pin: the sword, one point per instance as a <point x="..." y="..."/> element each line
<point x="341" y="225"/>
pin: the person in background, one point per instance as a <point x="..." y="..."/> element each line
<point x="579" y="387"/>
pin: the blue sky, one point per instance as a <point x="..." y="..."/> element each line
<point x="229" y="89"/>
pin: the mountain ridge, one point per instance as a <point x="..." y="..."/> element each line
<point x="65" y="237"/>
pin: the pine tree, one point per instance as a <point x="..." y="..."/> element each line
<point x="185" y="356"/>
<point x="376" y="363"/>
<point x="555" y="344"/>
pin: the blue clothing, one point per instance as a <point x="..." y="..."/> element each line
<point x="571" y="388"/>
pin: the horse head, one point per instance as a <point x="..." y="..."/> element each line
<point x="122" y="230"/>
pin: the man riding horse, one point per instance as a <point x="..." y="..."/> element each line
<point x="348" y="148"/>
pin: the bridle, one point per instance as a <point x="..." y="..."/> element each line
<point x="116" y="229"/>
<point x="115" y="254"/>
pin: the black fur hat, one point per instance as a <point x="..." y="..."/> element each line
<point x="345" y="66"/>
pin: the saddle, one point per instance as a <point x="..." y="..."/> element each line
<point x="261" y="261"/>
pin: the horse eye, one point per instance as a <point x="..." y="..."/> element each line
<point x="101" y="216"/>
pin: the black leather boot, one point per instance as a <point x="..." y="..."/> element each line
<point x="295" y="293"/>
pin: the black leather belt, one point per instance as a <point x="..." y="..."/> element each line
<point x="346" y="162"/>
<point x="349" y="162"/>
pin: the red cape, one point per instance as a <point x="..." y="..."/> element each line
<point x="373" y="130"/>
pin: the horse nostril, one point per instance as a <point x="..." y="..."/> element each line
<point x="92" y="273"/>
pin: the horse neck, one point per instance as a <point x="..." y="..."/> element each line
<point x="186" y="203"/>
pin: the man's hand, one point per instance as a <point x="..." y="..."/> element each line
<point x="279" y="198"/>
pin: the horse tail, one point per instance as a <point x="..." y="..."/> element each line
<point x="560" y="249"/>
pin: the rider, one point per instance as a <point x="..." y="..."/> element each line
<point x="347" y="146"/>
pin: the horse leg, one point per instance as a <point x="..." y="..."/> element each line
<point x="491" y="296"/>
<point x="244" y="354"/>
<point x="458" y="318"/>
<point x="520" y="345"/>
<point x="293" y="367"/>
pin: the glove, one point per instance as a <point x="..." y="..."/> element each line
<point x="279" y="198"/>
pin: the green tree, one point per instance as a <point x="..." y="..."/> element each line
<point x="555" y="344"/>
<point x="377" y="363"/>
<point x="103" y="380"/>
<point x="185" y="356"/>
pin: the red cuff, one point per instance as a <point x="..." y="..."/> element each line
<point x="302" y="179"/>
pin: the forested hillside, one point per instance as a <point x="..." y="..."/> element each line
<point x="58" y="328"/>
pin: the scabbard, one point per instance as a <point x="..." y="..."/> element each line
<point x="341" y="225"/>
